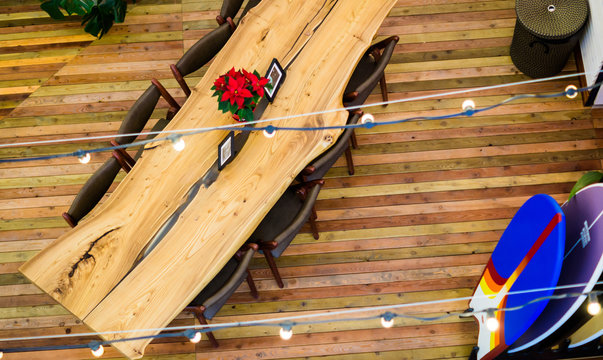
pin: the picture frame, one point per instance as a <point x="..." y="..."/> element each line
<point x="226" y="151"/>
<point x="276" y="75"/>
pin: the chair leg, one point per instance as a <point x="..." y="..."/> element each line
<point x="273" y="268"/>
<point x="251" y="283"/>
<point x="166" y="95"/>
<point x="198" y="311"/>
<point x="383" y="88"/>
<point x="180" y="80"/>
<point x="349" y="160"/>
<point x="354" y="140"/>
<point x="312" y="222"/>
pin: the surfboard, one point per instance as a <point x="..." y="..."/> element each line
<point x="582" y="264"/>
<point x="528" y="256"/>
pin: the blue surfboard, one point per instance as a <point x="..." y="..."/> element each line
<point x="582" y="264"/>
<point x="528" y="256"/>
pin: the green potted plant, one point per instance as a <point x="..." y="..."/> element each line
<point x="590" y="177"/>
<point x="97" y="15"/>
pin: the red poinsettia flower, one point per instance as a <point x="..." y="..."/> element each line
<point x="236" y="92"/>
<point x="220" y="83"/>
<point x="258" y="84"/>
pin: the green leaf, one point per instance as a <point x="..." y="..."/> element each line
<point x="590" y="177"/>
<point x="52" y="8"/>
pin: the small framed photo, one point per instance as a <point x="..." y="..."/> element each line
<point x="226" y="151"/>
<point x="276" y="74"/>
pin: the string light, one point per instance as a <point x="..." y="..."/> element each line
<point x="269" y="132"/>
<point x="97" y="349"/>
<point x="193" y="336"/>
<point x="387" y="320"/>
<point x="85" y="158"/>
<point x="571" y="91"/>
<point x="367" y="118"/>
<point x="285" y="323"/>
<point x="491" y="321"/>
<point x="593" y="307"/>
<point x="1" y="354"/>
<point x="177" y="142"/>
<point x="468" y="107"/>
<point x="286" y="332"/>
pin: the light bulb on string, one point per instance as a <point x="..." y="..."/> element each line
<point x="491" y="321"/>
<point x="269" y="132"/>
<point x="387" y="320"/>
<point x="286" y="332"/>
<point x="571" y="91"/>
<point x="468" y="107"/>
<point x="193" y="336"/>
<point x="97" y="349"/>
<point x="84" y="158"/>
<point x="1" y="354"/>
<point x="177" y="142"/>
<point x="593" y="307"/>
<point x="367" y="118"/>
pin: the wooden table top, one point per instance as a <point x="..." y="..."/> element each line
<point x="90" y="269"/>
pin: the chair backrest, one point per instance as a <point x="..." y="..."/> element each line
<point x="325" y="161"/>
<point x="215" y="301"/>
<point x="369" y="80"/>
<point x="138" y="115"/>
<point x="204" y="50"/>
<point x="93" y="190"/>
<point x="230" y="8"/>
<point x="286" y="236"/>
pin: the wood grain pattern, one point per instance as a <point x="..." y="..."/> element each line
<point x="447" y="45"/>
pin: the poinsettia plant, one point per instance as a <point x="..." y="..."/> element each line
<point x="239" y="91"/>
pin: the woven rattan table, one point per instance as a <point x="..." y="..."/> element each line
<point x="546" y="33"/>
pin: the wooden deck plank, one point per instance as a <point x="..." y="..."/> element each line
<point x="427" y="204"/>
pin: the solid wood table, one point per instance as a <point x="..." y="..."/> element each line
<point x="92" y="269"/>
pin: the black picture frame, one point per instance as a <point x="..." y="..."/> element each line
<point x="226" y="151"/>
<point x="276" y="75"/>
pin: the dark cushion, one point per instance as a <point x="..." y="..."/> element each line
<point x="224" y="284"/>
<point x="138" y="115"/>
<point x="278" y="219"/>
<point x="325" y="161"/>
<point x="94" y="189"/>
<point x="230" y="8"/>
<point x="365" y="67"/>
<point x="204" y="50"/>
<point x="216" y="283"/>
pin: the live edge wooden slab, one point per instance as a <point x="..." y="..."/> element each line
<point x="92" y="269"/>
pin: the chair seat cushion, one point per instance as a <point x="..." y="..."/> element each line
<point x="216" y="283"/>
<point x="278" y="218"/>
<point x="365" y="67"/>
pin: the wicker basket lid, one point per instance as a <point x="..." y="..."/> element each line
<point x="552" y="19"/>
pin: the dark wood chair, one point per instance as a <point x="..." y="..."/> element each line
<point x="319" y="166"/>
<point x="284" y="220"/>
<point x="211" y="299"/>
<point x="126" y="161"/>
<point x="369" y="71"/>
<point x="230" y="8"/>
<point x="134" y="122"/>
<point x="201" y="53"/>
<point x="92" y="192"/>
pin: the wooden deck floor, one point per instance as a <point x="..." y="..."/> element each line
<point x="417" y="222"/>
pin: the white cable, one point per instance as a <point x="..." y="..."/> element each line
<point x="230" y="126"/>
